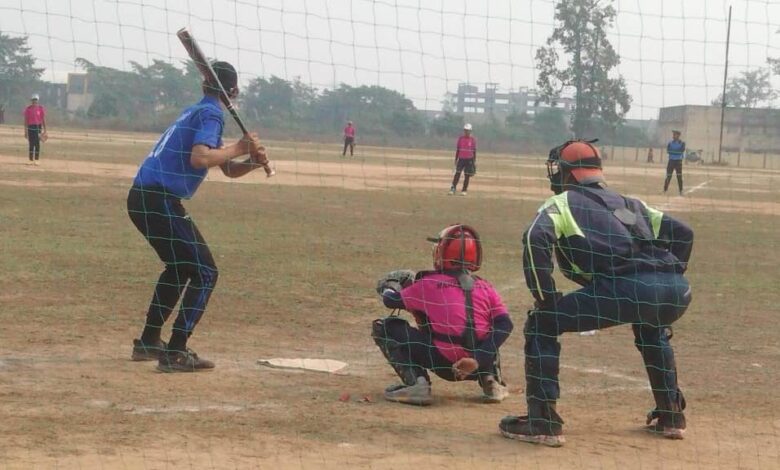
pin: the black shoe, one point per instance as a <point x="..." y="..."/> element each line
<point x="669" y="424"/>
<point x="536" y="432"/>
<point x="182" y="361"/>
<point x="147" y="352"/>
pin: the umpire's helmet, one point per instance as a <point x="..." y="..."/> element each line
<point x="578" y="158"/>
<point x="457" y="248"/>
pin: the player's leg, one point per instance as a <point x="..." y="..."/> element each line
<point x="194" y="256"/>
<point x="663" y="298"/>
<point x="679" y="169"/>
<point x="37" y="143"/>
<point x="410" y="353"/>
<point x="148" y="213"/>
<point x="30" y="143"/>
<point x="459" y="166"/>
<point x="468" y="171"/>
<point x="669" y="170"/>
<point x="352" y="147"/>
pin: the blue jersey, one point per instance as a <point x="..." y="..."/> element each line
<point x="676" y="149"/>
<point x="168" y="165"/>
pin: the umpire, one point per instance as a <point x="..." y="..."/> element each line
<point x="629" y="259"/>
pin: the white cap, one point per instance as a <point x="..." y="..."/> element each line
<point x="467" y="127"/>
<point x="35" y="97"/>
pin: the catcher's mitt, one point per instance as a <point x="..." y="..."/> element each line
<point x="395" y="280"/>
<point x="44" y="136"/>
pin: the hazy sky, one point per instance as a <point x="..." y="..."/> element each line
<point x="672" y="50"/>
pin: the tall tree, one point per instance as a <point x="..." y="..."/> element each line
<point x="18" y="73"/>
<point x="749" y="90"/>
<point x="581" y="34"/>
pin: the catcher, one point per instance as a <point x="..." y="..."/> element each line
<point x="461" y="322"/>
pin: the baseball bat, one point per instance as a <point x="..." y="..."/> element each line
<point x="196" y="54"/>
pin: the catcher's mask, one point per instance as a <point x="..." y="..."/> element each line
<point x="457" y="247"/>
<point x="578" y="158"/>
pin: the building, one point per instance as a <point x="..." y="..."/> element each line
<point x="745" y="130"/>
<point x="491" y="101"/>
<point x="79" y="96"/>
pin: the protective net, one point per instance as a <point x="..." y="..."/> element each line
<point x="387" y="122"/>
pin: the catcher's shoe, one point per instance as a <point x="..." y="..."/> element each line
<point x="493" y="391"/>
<point x="464" y="193"/>
<point x="670" y="424"/>
<point x="182" y="361"/>
<point x="147" y="352"/>
<point x="418" y="394"/>
<point x="452" y="191"/>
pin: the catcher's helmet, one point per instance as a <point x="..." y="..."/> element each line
<point x="580" y="158"/>
<point x="457" y="247"/>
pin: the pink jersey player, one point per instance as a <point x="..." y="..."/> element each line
<point x="465" y="160"/>
<point x="349" y="139"/>
<point x="461" y="323"/>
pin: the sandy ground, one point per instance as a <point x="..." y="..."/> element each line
<point x="65" y="405"/>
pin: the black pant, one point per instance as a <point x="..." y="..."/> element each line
<point x="671" y="167"/>
<point x="34" y="140"/>
<point x="189" y="265"/>
<point x="407" y="347"/>
<point x="651" y="302"/>
<point x="467" y="166"/>
<point x="349" y="142"/>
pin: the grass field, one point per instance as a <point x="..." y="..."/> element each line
<point x="298" y="257"/>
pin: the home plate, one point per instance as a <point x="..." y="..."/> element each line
<point x="331" y="366"/>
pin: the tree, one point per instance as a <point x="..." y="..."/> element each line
<point x="276" y="102"/>
<point x="170" y="86"/>
<point x="549" y="126"/>
<point x="117" y="93"/>
<point x="18" y="74"/>
<point x="749" y="90"/>
<point x="581" y="34"/>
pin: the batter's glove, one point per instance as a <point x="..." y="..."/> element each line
<point x="395" y="280"/>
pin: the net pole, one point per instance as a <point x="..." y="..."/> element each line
<point x="725" y="77"/>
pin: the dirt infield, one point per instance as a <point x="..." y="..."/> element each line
<point x="298" y="255"/>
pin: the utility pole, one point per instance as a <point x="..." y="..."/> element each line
<point x="725" y="77"/>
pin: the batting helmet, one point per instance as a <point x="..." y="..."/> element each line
<point x="579" y="158"/>
<point x="457" y="247"/>
<point x="227" y="76"/>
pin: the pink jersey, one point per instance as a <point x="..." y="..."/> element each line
<point x="443" y="301"/>
<point x="349" y="131"/>
<point x="467" y="147"/>
<point x="34" y="115"/>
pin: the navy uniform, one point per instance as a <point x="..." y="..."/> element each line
<point x="170" y="173"/>
<point x="675" y="151"/>
<point x="629" y="259"/>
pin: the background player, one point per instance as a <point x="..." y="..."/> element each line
<point x="465" y="160"/>
<point x="461" y="323"/>
<point x="173" y="171"/>
<point x="629" y="260"/>
<point x="349" y="139"/>
<point x="675" y="151"/>
<point x="34" y="128"/>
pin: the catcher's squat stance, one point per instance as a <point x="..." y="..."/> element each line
<point x="461" y="322"/>
<point x="629" y="260"/>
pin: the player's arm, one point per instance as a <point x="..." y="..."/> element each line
<point x="235" y="169"/>
<point x="538" y="242"/>
<point x="486" y="350"/>
<point x="677" y="234"/>
<point x="43" y="119"/>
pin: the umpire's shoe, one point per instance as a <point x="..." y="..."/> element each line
<point x="418" y="394"/>
<point x="544" y="428"/>
<point x="147" y="352"/>
<point x="182" y="361"/>
<point x="669" y="424"/>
